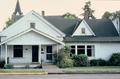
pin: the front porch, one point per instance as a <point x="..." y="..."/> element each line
<point x="28" y="54"/>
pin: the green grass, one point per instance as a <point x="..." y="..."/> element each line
<point x="104" y="69"/>
<point x="22" y="71"/>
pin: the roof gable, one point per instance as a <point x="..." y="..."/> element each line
<point x="67" y="26"/>
<point x="102" y="27"/>
<point x="33" y="30"/>
<point x="24" y="23"/>
<point x="88" y="31"/>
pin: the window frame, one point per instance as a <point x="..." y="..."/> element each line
<point x="85" y="48"/>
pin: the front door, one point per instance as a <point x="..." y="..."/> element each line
<point x="49" y="53"/>
<point x="35" y="53"/>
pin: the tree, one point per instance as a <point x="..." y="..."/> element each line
<point x="106" y="15"/>
<point x="113" y="15"/>
<point x="88" y="12"/>
<point x="116" y="15"/>
<point x="8" y="23"/>
<point x="69" y="16"/>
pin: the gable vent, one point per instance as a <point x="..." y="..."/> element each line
<point x="32" y="25"/>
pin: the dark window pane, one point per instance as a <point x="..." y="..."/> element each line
<point x="81" y="51"/>
<point x="72" y="46"/>
<point x="73" y="49"/>
<point x="89" y="46"/>
<point x="49" y="49"/>
<point x="80" y="46"/>
<point x="89" y="52"/>
<point x="18" y="51"/>
<point x="83" y="30"/>
<point x="32" y="25"/>
<point x="49" y="56"/>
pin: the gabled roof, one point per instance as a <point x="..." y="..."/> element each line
<point x="35" y="30"/>
<point x="102" y="27"/>
<point x="67" y="26"/>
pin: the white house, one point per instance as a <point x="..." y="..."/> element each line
<point x="35" y="37"/>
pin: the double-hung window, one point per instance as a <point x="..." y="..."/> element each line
<point x="18" y="51"/>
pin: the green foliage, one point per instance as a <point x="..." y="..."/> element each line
<point x="115" y="59"/>
<point x="8" y="66"/>
<point x="106" y="15"/>
<point x="88" y="11"/>
<point x="65" y="63"/>
<point x="8" y="23"/>
<point x="113" y="15"/>
<point x="2" y="63"/>
<point x="80" y="60"/>
<point x="98" y="62"/>
<point x="69" y="16"/>
<point x="63" y="58"/>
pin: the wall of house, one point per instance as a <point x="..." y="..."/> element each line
<point x="27" y="55"/>
<point x="102" y="50"/>
<point x="31" y="38"/>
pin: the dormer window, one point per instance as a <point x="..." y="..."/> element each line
<point x="32" y="25"/>
<point x="83" y="30"/>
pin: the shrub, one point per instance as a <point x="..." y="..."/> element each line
<point x="80" y="60"/>
<point x="115" y="59"/>
<point x="63" y="58"/>
<point x="2" y="63"/>
<point x="98" y="62"/>
<point x="8" y="66"/>
<point x="64" y="63"/>
<point x="55" y="58"/>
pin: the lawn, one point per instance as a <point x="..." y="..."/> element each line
<point x="104" y="69"/>
<point x="22" y="71"/>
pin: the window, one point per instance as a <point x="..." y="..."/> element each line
<point x="90" y="50"/>
<point x="18" y="51"/>
<point x="32" y="25"/>
<point x="83" y="30"/>
<point x="80" y="49"/>
<point x="73" y="49"/>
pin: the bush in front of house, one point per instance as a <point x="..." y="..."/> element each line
<point x="98" y="62"/>
<point x="115" y="59"/>
<point x="65" y="63"/>
<point x="2" y="63"/>
<point x="63" y="58"/>
<point x="8" y="66"/>
<point x="80" y="60"/>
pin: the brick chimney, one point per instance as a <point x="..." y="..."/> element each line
<point x="43" y="13"/>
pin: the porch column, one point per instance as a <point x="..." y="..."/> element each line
<point x="75" y="49"/>
<point x="86" y="50"/>
<point x="57" y="48"/>
<point x="6" y="61"/>
<point x="39" y="54"/>
<point x="1" y="52"/>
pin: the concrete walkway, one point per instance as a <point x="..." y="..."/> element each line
<point x="51" y="69"/>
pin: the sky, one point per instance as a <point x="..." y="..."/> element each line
<point x="56" y="7"/>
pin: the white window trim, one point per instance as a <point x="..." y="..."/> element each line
<point x="93" y="53"/>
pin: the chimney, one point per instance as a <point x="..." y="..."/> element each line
<point x="43" y="13"/>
